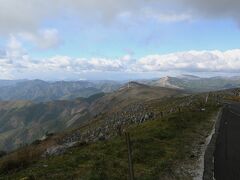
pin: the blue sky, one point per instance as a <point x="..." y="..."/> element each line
<point x="79" y="39"/>
<point x="115" y="41"/>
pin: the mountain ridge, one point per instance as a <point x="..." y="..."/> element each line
<point x="196" y="84"/>
<point x="42" y="91"/>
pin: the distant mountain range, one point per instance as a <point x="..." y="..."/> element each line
<point x="42" y="91"/>
<point x="196" y="84"/>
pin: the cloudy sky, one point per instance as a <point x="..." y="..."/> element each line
<point x="118" y="39"/>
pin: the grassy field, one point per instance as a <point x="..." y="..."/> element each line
<point x="162" y="149"/>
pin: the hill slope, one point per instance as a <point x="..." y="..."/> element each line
<point x="24" y="122"/>
<point x="131" y="93"/>
<point x="165" y="147"/>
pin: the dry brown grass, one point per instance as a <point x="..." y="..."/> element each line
<point x="25" y="156"/>
<point x="234" y="98"/>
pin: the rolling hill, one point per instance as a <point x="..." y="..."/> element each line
<point x="24" y="121"/>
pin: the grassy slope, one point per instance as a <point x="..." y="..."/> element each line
<point x="159" y="148"/>
<point x="137" y="93"/>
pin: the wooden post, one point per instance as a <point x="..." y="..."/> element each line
<point x="206" y="100"/>
<point x="161" y="114"/>
<point x="130" y="163"/>
<point x="119" y="130"/>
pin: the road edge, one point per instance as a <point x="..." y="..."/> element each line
<point x="208" y="173"/>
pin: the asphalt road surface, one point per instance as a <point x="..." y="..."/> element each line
<point x="227" y="153"/>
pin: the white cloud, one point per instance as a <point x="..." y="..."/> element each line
<point x="15" y="61"/>
<point x="5" y="68"/>
<point x="166" y="17"/>
<point x="192" y="61"/>
<point x="28" y="15"/>
<point x="44" y="39"/>
<point x="212" y="8"/>
<point x="14" y="49"/>
<point x="171" y="17"/>
<point x="13" y="43"/>
<point x="24" y="15"/>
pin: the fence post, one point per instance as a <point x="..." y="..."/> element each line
<point x="130" y="163"/>
<point x="179" y="109"/>
<point x="206" y="100"/>
<point x="161" y="114"/>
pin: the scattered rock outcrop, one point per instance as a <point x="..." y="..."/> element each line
<point x="113" y="124"/>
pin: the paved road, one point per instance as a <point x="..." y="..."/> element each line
<point x="227" y="154"/>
